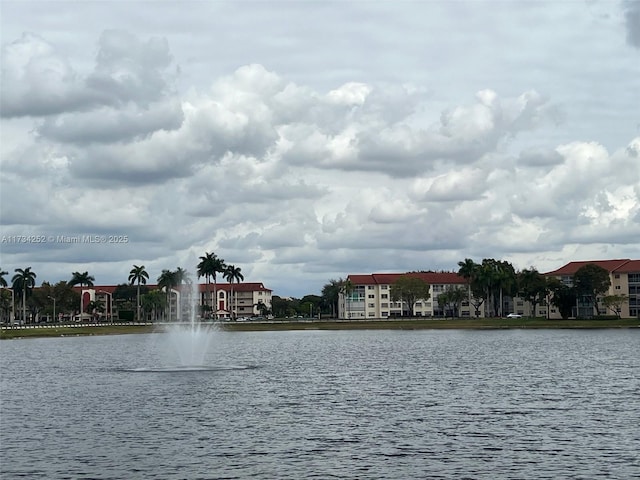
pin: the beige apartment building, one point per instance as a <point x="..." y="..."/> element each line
<point x="624" y="275"/>
<point x="369" y="297"/>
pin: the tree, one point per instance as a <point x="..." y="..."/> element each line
<point x="563" y="297"/>
<point x="345" y="289"/>
<point x="6" y="305"/>
<point x="444" y="302"/>
<point x="409" y="289"/>
<point x="182" y="277"/>
<point x="139" y="276"/>
<point x="82" y="279"/>
<point x="310" y="304"/>
<point x="210" y="265"/>
<point x="22" y="283"/>
<point x="233" y="274"/>
<point x="6" y="300"/>
<point x="532" y="287"/>
<point x="496" y="277"/>
<point x="614" y="303"/>
<point x="152" y="302"/>
<point x="95" y="307"/>
<point x="167" y="280"/>
<point x="590" y="281"/>
<point x="452" y="298"/>
<point x="470" y="271"/>
<point x="282" y="307"/>
<point x="262" y="308"/>
<point x="331" y="294"/>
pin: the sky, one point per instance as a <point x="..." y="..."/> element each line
<point x="306" y="141"/>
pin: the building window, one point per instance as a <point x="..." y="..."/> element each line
<point x="384" y="305"/>
<point x="371" y="305"/>
<point x="372" y="296"/>
<point x="370" y="287"/>
<point x="384" y="295"/>
<point x="384" y="287"/>
<point x="372" y="314"/>
<point x="617" y="287"/>
<point x="384" y="314"/>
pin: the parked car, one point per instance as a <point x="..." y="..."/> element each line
<point x="514" y="315"/>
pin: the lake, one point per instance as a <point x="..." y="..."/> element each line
<point x="454" y="404"/>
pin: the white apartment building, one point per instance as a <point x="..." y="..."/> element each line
<point x="370" y="296"/>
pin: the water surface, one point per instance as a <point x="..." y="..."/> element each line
<point x="516" y="404"/>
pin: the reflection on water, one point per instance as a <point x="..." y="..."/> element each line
<point x="346" y="404"/>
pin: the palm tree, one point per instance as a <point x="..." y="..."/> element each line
<point x="138" y="275"/>
<point x="24" y="280"/>
<point x="167" y="280"/>
<point x="233" y="274"/>
<point x="153" y="301"/>
<point x="205" y="269"/>
<point x="182" y="276"/>
<point x="346" y="288"/>
<point x="82" y="279"/>
<point x="210" y="265"/>
<point x="468" y="269"/>
<point x="5" y="301"/>
<point x="330" y="295"/>
<point x="96" y="307"/>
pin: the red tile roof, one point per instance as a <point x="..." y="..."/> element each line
<point x="389" y="278"/>
<point x="632" y="266"/>
<point x="609" y="265"/>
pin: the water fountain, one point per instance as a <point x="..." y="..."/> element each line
<point x="186" y="344"/>
<point x="190" y="340"/>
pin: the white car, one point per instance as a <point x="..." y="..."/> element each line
<point x="514" y="315"/>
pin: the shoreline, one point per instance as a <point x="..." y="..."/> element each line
<point x="333" y="324"/>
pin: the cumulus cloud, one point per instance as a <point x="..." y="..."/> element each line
<point x="37" y="80"/>
<point x="285" y="177"/>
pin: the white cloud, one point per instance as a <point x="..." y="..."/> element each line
<point x="301" y="160"/>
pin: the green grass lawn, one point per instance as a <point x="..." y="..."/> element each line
<point x="403" y="324"/>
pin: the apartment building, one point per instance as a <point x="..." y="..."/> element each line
<point x="370" y="296"/>
<point x="236" y="300"/>
<point x="232" y="300"/>
<point x="624" y="275"/>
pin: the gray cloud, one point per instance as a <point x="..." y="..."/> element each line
<point x="300" y="155"/>
<point x="632" y="22"/>
<point x="37" y="80"/>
